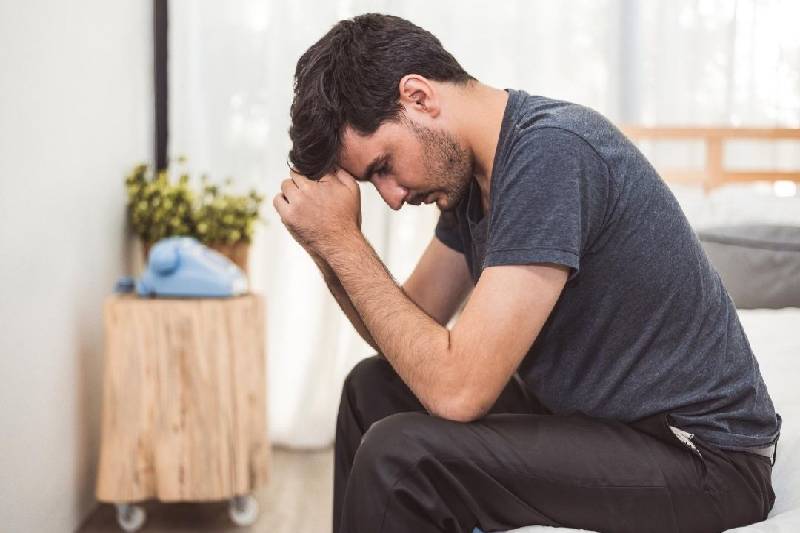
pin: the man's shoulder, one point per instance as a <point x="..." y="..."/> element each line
<point x="547" y="126"/>
<point x="550" y="145"/>
<point x="537" y="113"/>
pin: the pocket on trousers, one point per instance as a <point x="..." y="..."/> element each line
<point x="660" y="427"/>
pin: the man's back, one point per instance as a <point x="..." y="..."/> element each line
<point x="644" y="325"/>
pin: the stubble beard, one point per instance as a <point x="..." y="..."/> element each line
<point x="450" y="166"/>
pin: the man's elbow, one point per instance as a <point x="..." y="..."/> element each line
<point x="464" y="407"/>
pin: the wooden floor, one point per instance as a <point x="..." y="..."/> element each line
<point x="297" y="499"/>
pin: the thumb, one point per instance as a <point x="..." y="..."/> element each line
<point x="347" y="179"/>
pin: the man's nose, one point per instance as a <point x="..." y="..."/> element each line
<point x="392" y="193"/>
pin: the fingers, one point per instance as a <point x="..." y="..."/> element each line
<point x="339" y="175"/>
<point x="300" y="181"/>
<point x="346" y="179"/>
<point x="289" y="189"/>
<point x="280" y="204"/>
<point x="296" y="186"/>
<point x="281" y="201"/>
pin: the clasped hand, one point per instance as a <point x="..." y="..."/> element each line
<point x="319" y="213"/>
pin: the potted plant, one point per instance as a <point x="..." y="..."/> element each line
<point x="159" y="207"/>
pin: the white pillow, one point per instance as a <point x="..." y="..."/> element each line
<point x="746" y="203"/>
<point x="695" y="203"/>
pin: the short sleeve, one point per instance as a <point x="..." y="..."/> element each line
<point x="447" y="230"/>
<point x="548" y="200"/>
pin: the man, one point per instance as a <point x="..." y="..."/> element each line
<point x="597" y="376"/>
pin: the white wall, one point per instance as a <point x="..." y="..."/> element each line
<point x="75" y="114"/>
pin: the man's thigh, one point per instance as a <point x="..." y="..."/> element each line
<point x="376" y="391"/>
<point x="510" y="470"/>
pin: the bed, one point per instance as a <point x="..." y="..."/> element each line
<point x="715" y="196"/>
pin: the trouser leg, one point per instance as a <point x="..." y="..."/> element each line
<point x="373" y="391"/>
<point x="415" y="472"/>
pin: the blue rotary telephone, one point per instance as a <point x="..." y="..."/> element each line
<point x="182" y="267"/>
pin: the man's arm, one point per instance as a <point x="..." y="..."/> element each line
<point x="460" y="374"/>
<point x="440" y="282"/>
<point x="341" y="297"/>
<point x="438" y="285"/>
<point x="456" y="375"/>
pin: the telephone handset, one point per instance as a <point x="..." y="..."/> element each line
<point x="182" y="267"/>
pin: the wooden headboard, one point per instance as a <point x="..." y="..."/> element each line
<point x="713" y="174"/>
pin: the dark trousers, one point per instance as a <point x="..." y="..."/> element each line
<point x="399" y="469"/>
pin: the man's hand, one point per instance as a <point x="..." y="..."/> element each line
<point x="319" y="213"/>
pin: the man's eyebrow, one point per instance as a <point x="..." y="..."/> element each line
<point x="373" y="166"/>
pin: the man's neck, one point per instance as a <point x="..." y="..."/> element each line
<point x="484" y="107"/>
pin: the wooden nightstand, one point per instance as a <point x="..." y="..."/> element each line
<point x="184" y="404"/>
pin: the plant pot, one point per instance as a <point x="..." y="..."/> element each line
<point x="238" y="252"/>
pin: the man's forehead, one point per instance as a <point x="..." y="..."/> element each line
<point x="359" y="151"/>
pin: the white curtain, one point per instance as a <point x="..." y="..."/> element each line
<point x="231" y="66"/>
<point x="709" y="62"/>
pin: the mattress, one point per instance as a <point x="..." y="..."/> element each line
<point x="774" y="336"/>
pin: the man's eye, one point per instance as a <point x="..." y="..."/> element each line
<point x="382" y="171"/>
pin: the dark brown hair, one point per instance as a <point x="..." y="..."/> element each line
<point x="350" y="77"/>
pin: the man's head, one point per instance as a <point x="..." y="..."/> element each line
<point x="371" y="97"/>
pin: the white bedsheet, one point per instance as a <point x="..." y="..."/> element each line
<point x="775" y="338"/>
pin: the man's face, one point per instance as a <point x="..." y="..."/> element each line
<point x="409" y="163"/>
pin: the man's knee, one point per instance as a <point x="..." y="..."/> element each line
<point x="362" y="384"/>
<point x="367" y="371"/>
<point x="398" y="440"/>
<point x="373" y="390"/>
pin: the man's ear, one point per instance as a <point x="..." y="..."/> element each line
<point x="419" y="95"/>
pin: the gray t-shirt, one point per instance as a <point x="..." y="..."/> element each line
<point x="644" y="324"/>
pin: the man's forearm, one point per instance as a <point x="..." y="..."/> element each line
<point x="341" y="297"/>
<point x="414" y="343"/>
